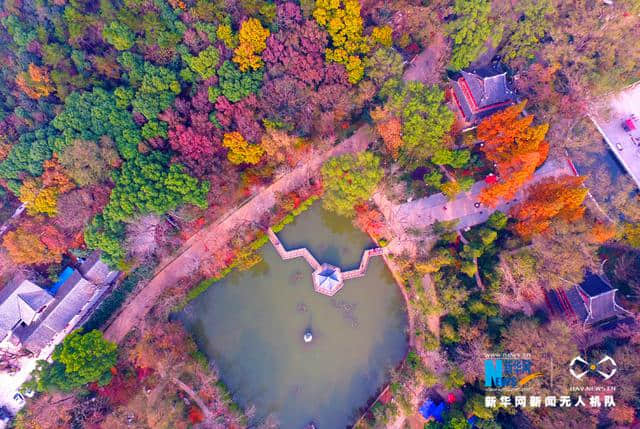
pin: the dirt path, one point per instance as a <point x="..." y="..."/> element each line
<point x="426" y="65"/>
<point x="209" y="239"/>
<point x="208" y="415"/>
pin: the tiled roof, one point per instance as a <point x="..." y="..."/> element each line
<point x="69" y="300"/>
<point x="594" y="285"/>
<point x="577" y="304"/>
<point x="603" y="307"/>
<point x="20" y="300"/>
<point x="328" y="279"/>
<point x="96" y="271"/>
<point x="488" y="90"/>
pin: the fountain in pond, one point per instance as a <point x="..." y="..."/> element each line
<point x="308" y="336"/>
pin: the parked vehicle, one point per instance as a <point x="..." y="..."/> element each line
<point x="619" y="146"/>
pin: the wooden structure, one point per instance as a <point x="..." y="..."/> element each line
<point x="327" y="279"/>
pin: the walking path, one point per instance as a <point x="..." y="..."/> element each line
<point x="364" y="262"/>
<point x="213" y="237"/>
<point x="285" y="254"/>
<point x="609" y="117"/>
<point x="423" y="213"/>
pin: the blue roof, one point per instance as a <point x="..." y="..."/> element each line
<point x="64" y="275"/>
<point x="430" y="409"/>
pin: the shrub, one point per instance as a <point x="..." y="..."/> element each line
<point x="114" y="301"/>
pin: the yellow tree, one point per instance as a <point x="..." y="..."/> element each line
<point x="252" y="37"/>
<point x="382" y="35"/>
<point x="225" y="34"/>
<point x="39" y="199"/>
<point x="342" y="20"/>
<point x="241" y="151"/>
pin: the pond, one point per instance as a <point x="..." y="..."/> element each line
<point x="252" y="325"/>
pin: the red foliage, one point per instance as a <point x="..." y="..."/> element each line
<point x="143" y="373"/>
<point x="413" y="49"/>
<point x="195" y="415"/>
<point x="197" y="151"/>
<point x="191" y="134"/>
<point x="242" y="116"/>
<point x="369" y="219"/>
<point x="299" y="85"/>
<point x="123" y="387"/>
<point x="53" y="239"/>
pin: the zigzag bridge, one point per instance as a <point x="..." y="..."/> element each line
<point x="327" y="279"/>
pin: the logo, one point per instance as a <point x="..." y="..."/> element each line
<point x="580" y="367"/>
<point x="509" y="372"/>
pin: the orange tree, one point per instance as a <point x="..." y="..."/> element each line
<point x="35" y="82"/>
<point x="34" y="243"/>
<point x="389" y="127"/>
<point x="240" y="150"/>
<point x="560" y="197"/>
<point x="516" y="148"/>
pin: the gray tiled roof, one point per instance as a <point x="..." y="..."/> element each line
<point x="71" y="297"/>
<point x="20" y="300"/>
<point x="96" y="271"/>
<point x="488" y="90"/>
<point x="603" y="306"/>
<point x="577" y="304"/>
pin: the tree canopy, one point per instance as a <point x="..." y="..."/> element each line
<point x="92" y="115"/>
<point x="78" y="360"/>
<point x="350" y="180"/>
<point x="469" y="31"/>
<point x="516" y="148"/>
<point x="426" y="120"/>
<point x="145" y="184"/>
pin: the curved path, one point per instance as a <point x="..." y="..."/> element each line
<point x="212" y="237"/>
<point x="209" y="239"/>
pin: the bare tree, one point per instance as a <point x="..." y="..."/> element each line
<point x="141" y="236"/>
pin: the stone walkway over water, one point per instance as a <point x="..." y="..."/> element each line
<point x="320" y="269"/>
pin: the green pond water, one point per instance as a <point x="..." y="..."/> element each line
<point x="252" y="323"/>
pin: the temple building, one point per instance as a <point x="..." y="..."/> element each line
<point x="592" y="302"/>
<point x="35" y="319"/>
<point x="478" y="93"/>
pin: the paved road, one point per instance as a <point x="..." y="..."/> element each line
<point x="609" y="118"/>
<point x="422" y="213"/>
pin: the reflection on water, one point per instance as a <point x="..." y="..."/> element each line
<point x="252" y="324"/>
<point x="330" y="238"/>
